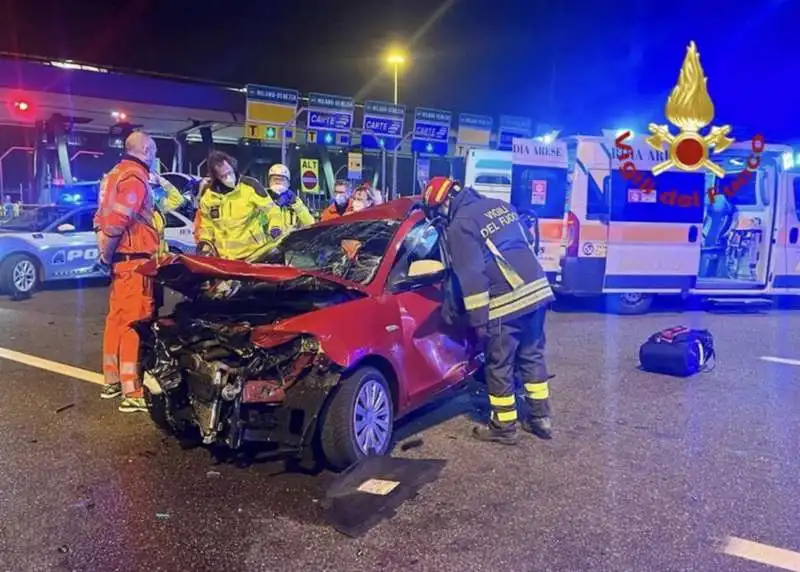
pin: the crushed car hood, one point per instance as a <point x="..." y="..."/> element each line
<point x="186" y="274"/>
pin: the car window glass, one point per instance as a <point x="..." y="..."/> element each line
<point x="329" y="249"/>
<point x="421" y="243"/>
<point x="83" y="221"/>
<point x="174" y="222"/>
<point x="486" y="179"/>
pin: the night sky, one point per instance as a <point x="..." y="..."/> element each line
<point x="580" y="65"/>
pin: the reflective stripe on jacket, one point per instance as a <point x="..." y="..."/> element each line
<point x="125" y="208"/>
<point x="233" y="221"/>
<point x="171" y="200"/>
<point x="493" y="259"/>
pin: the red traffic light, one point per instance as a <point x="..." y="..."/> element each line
<point x="22" y="105"/>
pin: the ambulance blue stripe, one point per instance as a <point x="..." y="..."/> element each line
<point x="493" y="164"/>
<point x="643" y="281"/>
<point x="786" y="281"/>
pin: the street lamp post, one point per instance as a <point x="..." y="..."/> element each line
<point x="396" y="59"/>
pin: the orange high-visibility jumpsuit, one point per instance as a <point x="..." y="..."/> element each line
<point x="126" y="211"/>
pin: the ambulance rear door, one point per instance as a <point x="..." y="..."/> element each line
<point x="654" y="238"/>
<point x="786" y="279"/>
<point x="539" y="183"/>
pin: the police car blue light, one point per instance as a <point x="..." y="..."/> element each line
<point x="57" y="242"/>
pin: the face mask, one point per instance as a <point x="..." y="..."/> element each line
<point x="278" y="187"/>
<point x="229" y="180"/>
<point x="340" y="199"/>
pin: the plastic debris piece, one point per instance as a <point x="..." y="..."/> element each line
<point x="65" y="407"/>
<point x="213" y="474"/>
<point x="162" y="516"/>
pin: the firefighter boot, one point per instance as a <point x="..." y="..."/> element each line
<point x="542" y="427"/>
<point x="492" y="433"/>
<point x="538" y="421"/>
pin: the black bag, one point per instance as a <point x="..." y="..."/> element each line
<point x="678" y="351"/>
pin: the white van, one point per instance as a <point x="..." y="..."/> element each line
<point x="489" y="172"/>
<point x="617" y="241"/>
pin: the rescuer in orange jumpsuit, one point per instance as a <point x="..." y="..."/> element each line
<point x="341" y="200"/>
<point x="127" y="237"/>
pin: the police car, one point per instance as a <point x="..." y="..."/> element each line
<point x="57" y="243"/>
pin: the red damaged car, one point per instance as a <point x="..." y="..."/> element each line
<point x="323" y="341"/>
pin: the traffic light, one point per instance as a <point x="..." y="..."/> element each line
<point x="22" y="106"/>
<point x="271" y="133"/>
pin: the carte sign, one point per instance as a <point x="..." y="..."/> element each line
<point x="431" y="131"/>
<point x="309" y="175"/>
<point x="383" y="125"/>
<point x="511" y="127"/>
<point x="330" y="119"/>
<point x="270" y="112"/>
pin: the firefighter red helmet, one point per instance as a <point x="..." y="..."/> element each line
<point x="438" y="190"/>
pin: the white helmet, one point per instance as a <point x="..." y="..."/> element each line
<point x="279" y="170"/>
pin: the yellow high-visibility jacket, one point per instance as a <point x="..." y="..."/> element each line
<point x="233" y="221"/>
<point x="282" y="220"/>
<point x="171" y="201"/>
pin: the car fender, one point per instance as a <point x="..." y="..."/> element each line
<point x="350" y="332"/>
<point x="15" y="244"/>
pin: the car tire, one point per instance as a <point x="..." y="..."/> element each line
<point x="346" y="438"/>
<point x="629" y="303"/>
<point x="19" y="275"/>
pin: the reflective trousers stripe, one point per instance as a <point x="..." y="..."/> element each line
<point x="540" y="390"/>
<point x="505" y="416"/>
<point x="504" y="408"/>
<point x="502" y="400"/>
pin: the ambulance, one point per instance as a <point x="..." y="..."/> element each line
<point x="603" y="234"/>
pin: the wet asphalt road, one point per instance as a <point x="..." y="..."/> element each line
<point x="645" y="473"/>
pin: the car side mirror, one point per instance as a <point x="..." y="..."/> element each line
<point x="421" y="273"/>
<point x="66" y="227"/>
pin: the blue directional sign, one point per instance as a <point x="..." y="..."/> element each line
<point x="330" y="119"/>
<point x="431" y="131"/>
<point x="511" y="127"/>
<point x="383" y="125"/>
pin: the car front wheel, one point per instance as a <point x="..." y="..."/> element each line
<point x="359" y="420"/>
<point x="19" y="275"/>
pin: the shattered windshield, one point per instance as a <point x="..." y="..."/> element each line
<point x="351" y="251"/>
<point x="35" y="220"/>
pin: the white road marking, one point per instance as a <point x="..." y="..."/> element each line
<point x="786" y="361"/>
<point x="762" y="553"/>
<point x="54" y="366"/>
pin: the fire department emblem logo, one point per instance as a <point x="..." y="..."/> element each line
<point x="689" y="108"/>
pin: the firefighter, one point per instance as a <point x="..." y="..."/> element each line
<point x="127" y="237"/>
<point x="288" y="212"/>
<point x="505" y="295"/>
<point x="229" y="222"/>
<point x="341" y="199"/>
